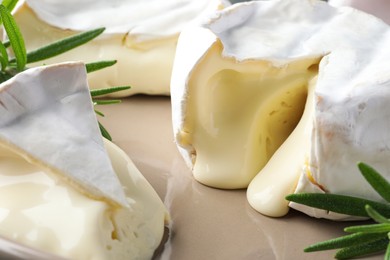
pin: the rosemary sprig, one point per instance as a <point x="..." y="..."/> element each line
<point x="15" y="37"/>
<point x="62" y="46"/>
<point x="365" y="239"/>
<point x="11" y="67"/>
<point x="106" y="91"/>
<point x="100" y="92"/>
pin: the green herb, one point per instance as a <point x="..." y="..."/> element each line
<point x="106" y="91"/>
<point x="101" y="92"/>
<point x="62" y="46"/>
<point x="15" y="37"/>
<point x="104" y="132"/>
<point x="11" y="67"/>
<point x="94" y="66"/>
<point x="9" y="4"/>
<point x="365" y="239"/>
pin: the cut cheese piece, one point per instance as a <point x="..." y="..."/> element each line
<point x="61" y="191"/>
<point x="47" y="214"/>
<point x="140" y="35"/>
<point x="242" y="82"/>
<point x="52" y="105"/>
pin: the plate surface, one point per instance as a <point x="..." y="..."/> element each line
<point x="207" y="223"/>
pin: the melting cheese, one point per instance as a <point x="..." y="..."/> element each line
<point x="267" y="191"/>
<point x="239" y="114"/>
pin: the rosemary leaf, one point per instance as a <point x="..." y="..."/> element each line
<point x="63" y="45"/>
<point x="15" y="37"/>
<point x="378" y="182"/>
<point x="106" y="102"/>
<point x="99" y="113"/>
<point x="339" y="203"/>
<point x="387" y="254"/>
<point x="3" y="63"/>
<point x="363" y="249"/>
<point x="4" y="57"/>
<point x="104" y="132"/>
<point x="345" y="241"/>
<point x="375" y="215"/>
<point x="370" y="228"/>
<point x="6" y="43"/>
<point x="9" y="4"/>
<point x="105" y="91"/>
<point x="94" y="66"/>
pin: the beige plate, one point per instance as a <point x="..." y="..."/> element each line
<point x="206" y="223"/>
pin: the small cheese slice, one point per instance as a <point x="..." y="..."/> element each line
<point x="292" y="92"/>
<point x="140" y="35"/>
<point x="72" y="194"/>
<point x="49" y="215"/>
<point x="47" y="115"/>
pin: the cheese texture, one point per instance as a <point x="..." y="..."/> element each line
<point x="283" y="97"/>
<point x="61" y="191"/>
<point x="140" y="35"/>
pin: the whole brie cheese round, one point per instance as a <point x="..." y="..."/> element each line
<point x="281" y="97"/>
<point x="140" y="35"/>
<point x="61" y="191"/>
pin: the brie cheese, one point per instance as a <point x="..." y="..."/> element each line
<point x="61" y="191"/>
<point x="270" y="94"/>
<point x="49" y="215"/>
<point x="140" y="35"/>
<point x="53" y="105"/>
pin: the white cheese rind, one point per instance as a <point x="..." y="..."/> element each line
<point x="52" y="105"/>
<point x="143" y="20"/>
<point x="142" y="37"/>
<point x="349" y="125"/>
<point x="349" y="118"/>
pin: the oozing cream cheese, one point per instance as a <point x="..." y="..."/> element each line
<point x="267" y="191"/>
<point x="40" y="210"/>
<point x="140" y="35"/>
<point x="241" y="113"/>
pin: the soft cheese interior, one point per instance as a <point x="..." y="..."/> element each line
<point x="239" y="113"/>
<point x="39" y="209"/>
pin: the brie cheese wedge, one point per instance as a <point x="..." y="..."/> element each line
<point x="140" y="35"/>
<point x="61" y="191"/>
<point x="283" y="97"/>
